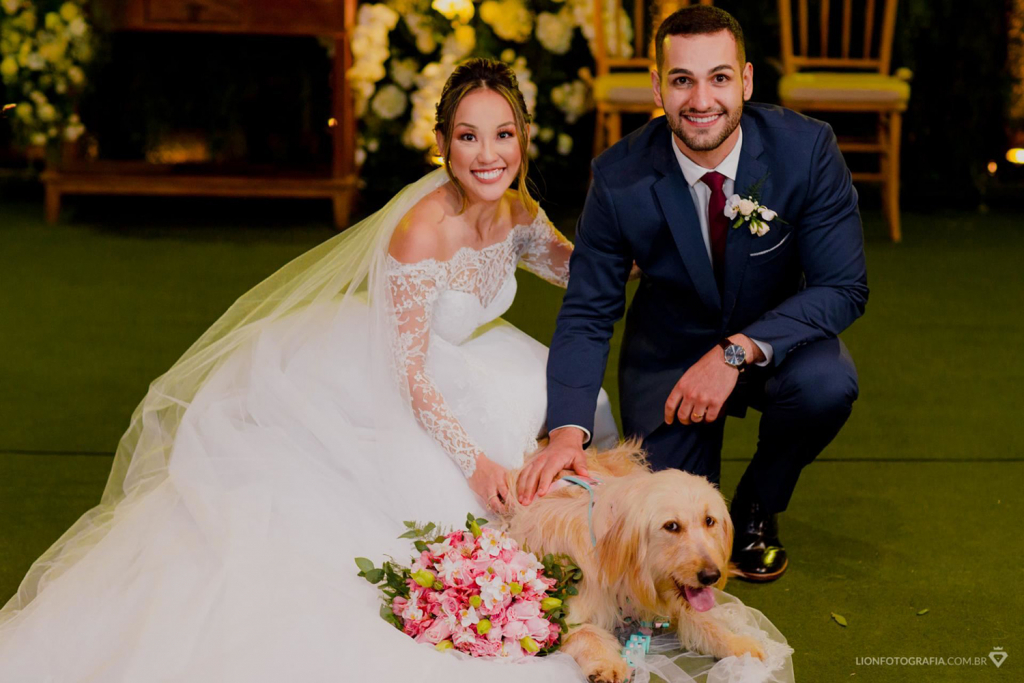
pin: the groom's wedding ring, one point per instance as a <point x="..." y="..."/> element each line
<point x="697" y="417"/>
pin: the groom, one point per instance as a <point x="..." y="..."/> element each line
<point x="723" y="319"/>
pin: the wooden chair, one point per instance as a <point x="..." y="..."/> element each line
<point x="850" y="74"/>
<point x="622" y="83"/>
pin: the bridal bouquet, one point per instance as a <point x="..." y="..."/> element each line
<point x="476" y="591"/>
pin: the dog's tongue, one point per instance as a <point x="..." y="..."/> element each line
<point x="701" y="599"/>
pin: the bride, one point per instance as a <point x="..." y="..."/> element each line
<point x="368" y="382"/>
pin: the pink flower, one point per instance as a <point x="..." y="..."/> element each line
<point x="515" y="630"/>
<point x="435" y="633"/>
<point x="523" y="610"/>
<point x="539" y="628"/>
<point x="483" y="647"/>
<point x="398" y="604"/>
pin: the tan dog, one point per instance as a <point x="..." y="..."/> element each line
<point x="663" y="539"/>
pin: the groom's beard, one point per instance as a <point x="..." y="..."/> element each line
<point x="704" y="141"/>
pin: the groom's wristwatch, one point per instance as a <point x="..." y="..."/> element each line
<point x="735" y="355"/>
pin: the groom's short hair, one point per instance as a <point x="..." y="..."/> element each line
<point x="698" y="20"/>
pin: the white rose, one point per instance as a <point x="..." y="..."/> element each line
<point x="546" y="134"/>
<point x="37" y="97"/>
<point x="564" y="144"/>
<point x="746" y="207"/>
<point x="73" y="132"/>
<point x="372" y="145"/>
<point x="767" y="213"/>
<point x="403" y="71"/>
<point x="47" y="112"/>
<point x="78" y="27"/>
<point x="24" y="112"/>
<point x="76" y="75"/>
<point x="554" y="33"/>
<point x="10" y="6"/>
<point x="38" y="139"/>
<point x="759" y="228"/>
<point x="360" y="156"/>
<point x="389" y="102"/>
<point x="460" y="42"/>
<point x="35" y="61"/>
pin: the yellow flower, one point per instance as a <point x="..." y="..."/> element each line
<point x="462" y="10"/>
<point x="529" y="644"/>
<point x="483" y="626"/>
<point x="9" y="67"/>
<point x="548" y="604"/>
<point x="53" y="21"/>
<point x="444" y="645"/>
<point x="68" y="11"/>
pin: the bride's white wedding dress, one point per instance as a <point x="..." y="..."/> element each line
<point x="224" y="549"/>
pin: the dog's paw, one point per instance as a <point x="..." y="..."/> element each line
<point x="610" y="669"/>
<point x="741" y="645"/>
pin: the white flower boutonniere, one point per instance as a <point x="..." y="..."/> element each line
<point x="748" y="210"/>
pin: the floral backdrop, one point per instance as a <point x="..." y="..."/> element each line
<point x="404" y="50"/>
<point x="44" y="49"/>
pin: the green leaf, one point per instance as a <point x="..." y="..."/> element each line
<point x="428" y="528"/>
<point x="375" y="575"/>
<point x="572" y="590"/>
<point x="923" y="612"/>
<point x="412" y="533"/>
<point x="481" y="521"/>
<point x="840" y="619"/>
<point x="364" y="564"/>
<point x="738" y="223"/>
<point x="421" y="546"/>
<point x="409" y="525"/>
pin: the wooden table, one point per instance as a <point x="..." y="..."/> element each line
<point x="267" y="17"/>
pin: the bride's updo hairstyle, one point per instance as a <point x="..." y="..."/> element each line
<point x="499" y="77"/>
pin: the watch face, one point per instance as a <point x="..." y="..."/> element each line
<point x="735" y="355"/>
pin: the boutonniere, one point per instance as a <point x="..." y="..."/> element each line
<point x="748" y="209"/>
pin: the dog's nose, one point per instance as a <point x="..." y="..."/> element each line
<point x="708" y="577"/>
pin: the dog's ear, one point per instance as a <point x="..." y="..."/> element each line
<point x="623" y="554"/>
<point x="727" y="532"/>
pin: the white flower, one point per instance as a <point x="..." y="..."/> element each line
<point x="403" y="71"/>
<point x="74" y="131"/>
<point x="419" y="134"/>
<point x="583" y="14"/>
<point x="77" y="27"/>
<point x="573" y="99"/>
<point x="389" y="102"/>
<point x="412" y="609"/>
<point x="468" y="617"/>
<point x="492" y="590"/>
<point x="76" y="75"/>
<point x="459" y="42"/>
<point x="455" y="9"/>
<point x="35" y="61"/>
<point x="46" y="112"/>
<point x="732" y="206"/>
<point x="24" y="112"/>
<point x="746" y="206"/>
<point x="533" y="151"/>
<point x="420" y="27"/>
<point x="766" y="213"/>
<point x="546" y="134"/>
<point x="526" y="86"/>
<point x="38" y="139"/>
<point x="10" y="6"/>
<point x="554" y="31"/>
<point x="508" y="55"/>
<point x="372" y="145"/>
<point x="37" y="97"/>
<point x="564" y="144"/>
<point x="759" y="228"/>
<point x="360" y="156"/>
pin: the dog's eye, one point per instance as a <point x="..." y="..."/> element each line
<point x="710" y="521"/>
<point x="671" y="526"/>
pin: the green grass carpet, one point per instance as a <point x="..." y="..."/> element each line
<point x="915" y="506"/>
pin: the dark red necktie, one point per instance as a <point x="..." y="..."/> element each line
<point x="718" y="222"/>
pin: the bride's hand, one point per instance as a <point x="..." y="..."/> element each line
<point x="489" y="484"/>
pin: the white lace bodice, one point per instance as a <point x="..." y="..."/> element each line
<point x="452" y="299"/>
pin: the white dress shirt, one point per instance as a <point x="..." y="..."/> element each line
<point x="701" y="195"/>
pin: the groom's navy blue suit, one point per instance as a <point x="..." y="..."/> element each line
<point x="795" y="288"/>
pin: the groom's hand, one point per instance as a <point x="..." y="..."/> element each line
<point x="703" y="389"/>
<point x="564" y="451"/>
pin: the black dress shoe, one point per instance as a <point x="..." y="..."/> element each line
<point x="757" y="552"/>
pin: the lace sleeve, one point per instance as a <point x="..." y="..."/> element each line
<point x="413" y="289"/>
<point x="544" y="251"/>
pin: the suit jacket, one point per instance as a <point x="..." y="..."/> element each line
<point x="803" y="281"/>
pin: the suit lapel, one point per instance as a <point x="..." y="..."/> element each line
<point x="677" y="206"/>
<point x="737" y="245"/>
